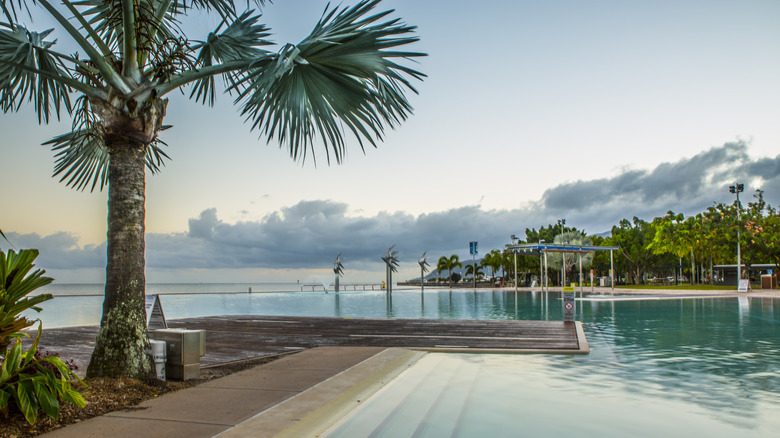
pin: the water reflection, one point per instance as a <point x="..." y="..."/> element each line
<point x="718" y="354"/>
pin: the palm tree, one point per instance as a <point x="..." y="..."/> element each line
<point x="448" y="264"/>
<point x="474" y="270"/>
<point x="493" y="260"/>
<point x="344" y="76"/>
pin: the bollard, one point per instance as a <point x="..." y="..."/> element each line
<point x="158" y="354"/>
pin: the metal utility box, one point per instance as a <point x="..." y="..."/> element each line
<point x="768" y="281"/>
<point x="184" y="349"/>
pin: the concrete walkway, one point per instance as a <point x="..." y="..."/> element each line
<point x="319" y="384"/>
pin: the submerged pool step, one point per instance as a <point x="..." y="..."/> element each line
<point x="421" y="404"/>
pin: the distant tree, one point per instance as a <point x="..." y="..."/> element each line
<point x="448" y="264"/>
<point x="633" y="238"/>
<point x="474" y="270"/>
<point x="493" y="261"/>
<point x="672" y="235"/>
<point x="566" y="262"/>
<point x="768" y="236"/>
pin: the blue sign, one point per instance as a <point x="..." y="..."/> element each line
<point x="473" y="248"/>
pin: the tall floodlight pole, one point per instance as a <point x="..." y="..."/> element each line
<point x="514" y="251"/>
<point x="541" y="267"/>
<point x="423" y="262"/>
<point x="338" y="269"/>
<point x="736" y="188"/>
<point x="561" y="223"/>
<point x="391" y="262"/>
<point x="474" y="251"/>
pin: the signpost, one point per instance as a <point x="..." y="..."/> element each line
<point x="744" y="286"/>
<point x="568" y="304"/>
<point x="473" y="251"/>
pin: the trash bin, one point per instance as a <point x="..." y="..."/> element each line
<point x="158" y="355"/>
<point x="768" y="281"/>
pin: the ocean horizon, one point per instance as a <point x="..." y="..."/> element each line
<point x="97" y="289"/>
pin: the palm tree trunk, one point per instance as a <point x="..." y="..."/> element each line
<point x="119" y="349"/>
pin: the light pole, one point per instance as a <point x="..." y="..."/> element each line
<point x="514" y="239"/>
<point x="562" y="222"/>
<point x="736" y="188"/>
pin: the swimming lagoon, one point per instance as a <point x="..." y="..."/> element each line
<point x="677" y="367"/>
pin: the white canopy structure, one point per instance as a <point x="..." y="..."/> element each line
<point x="542" y="248"/>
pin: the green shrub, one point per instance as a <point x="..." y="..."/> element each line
<point x="33" y="385"/>
<point x="33" y="382"/>
<point x="16" y="281"/>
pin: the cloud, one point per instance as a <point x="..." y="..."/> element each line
<point x="60" y="250"/>
<point x="309" y="234"/>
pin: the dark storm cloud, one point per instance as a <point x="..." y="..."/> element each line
<point x="309" y="234"/>
<point x="689" y="185"/>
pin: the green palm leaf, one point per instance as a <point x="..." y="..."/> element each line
<point x="241" y="39"/>
<point x="9" y="10"/>
<point x="81" y="158"/>
<point x="342" y="74"/>
<point x="30" y="72"/>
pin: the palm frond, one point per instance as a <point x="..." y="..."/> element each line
<point x="342" y="75"/>
<point x="241" y="39"/>
<point x="29" y="72"/>
<point x="10" y="11"/>
<point x="81" y="157"/>
<point x="225" y="8"/>
<point x="154" y="22"/>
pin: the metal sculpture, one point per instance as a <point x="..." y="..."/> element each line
<point x="338" y="269"/>
<point x="391" y="262"/>
<point x="423" y="262"/>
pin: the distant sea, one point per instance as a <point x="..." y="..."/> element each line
<point x="82" y="304"/>
<point x="97" y="289"/>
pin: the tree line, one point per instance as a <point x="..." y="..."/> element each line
<point x="672" y="245"/>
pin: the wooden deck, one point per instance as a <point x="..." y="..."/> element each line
<point x="235" y="338"/>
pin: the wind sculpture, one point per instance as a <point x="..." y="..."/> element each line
<point x="392" y="266"/>
<point x="338" y="269"/>
<point x="423" y="262"/>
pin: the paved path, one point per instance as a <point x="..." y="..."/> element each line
<point x="320" y="384"/>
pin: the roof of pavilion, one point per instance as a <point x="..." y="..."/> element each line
<point x="542" y="247"/>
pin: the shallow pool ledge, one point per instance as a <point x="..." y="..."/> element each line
<point x="582" y="346"/>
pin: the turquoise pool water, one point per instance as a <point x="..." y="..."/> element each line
<point x="672" y="368"/>
<point x="682" y="367"/>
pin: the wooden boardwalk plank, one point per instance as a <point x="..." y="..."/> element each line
<point x="232" y="338"/>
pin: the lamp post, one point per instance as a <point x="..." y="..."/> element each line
<point x="562" y="222"/>
<point x="736" y="188"/>
<point x="514" y="239"/>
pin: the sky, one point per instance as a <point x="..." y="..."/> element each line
<point x="532" y="111"/>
